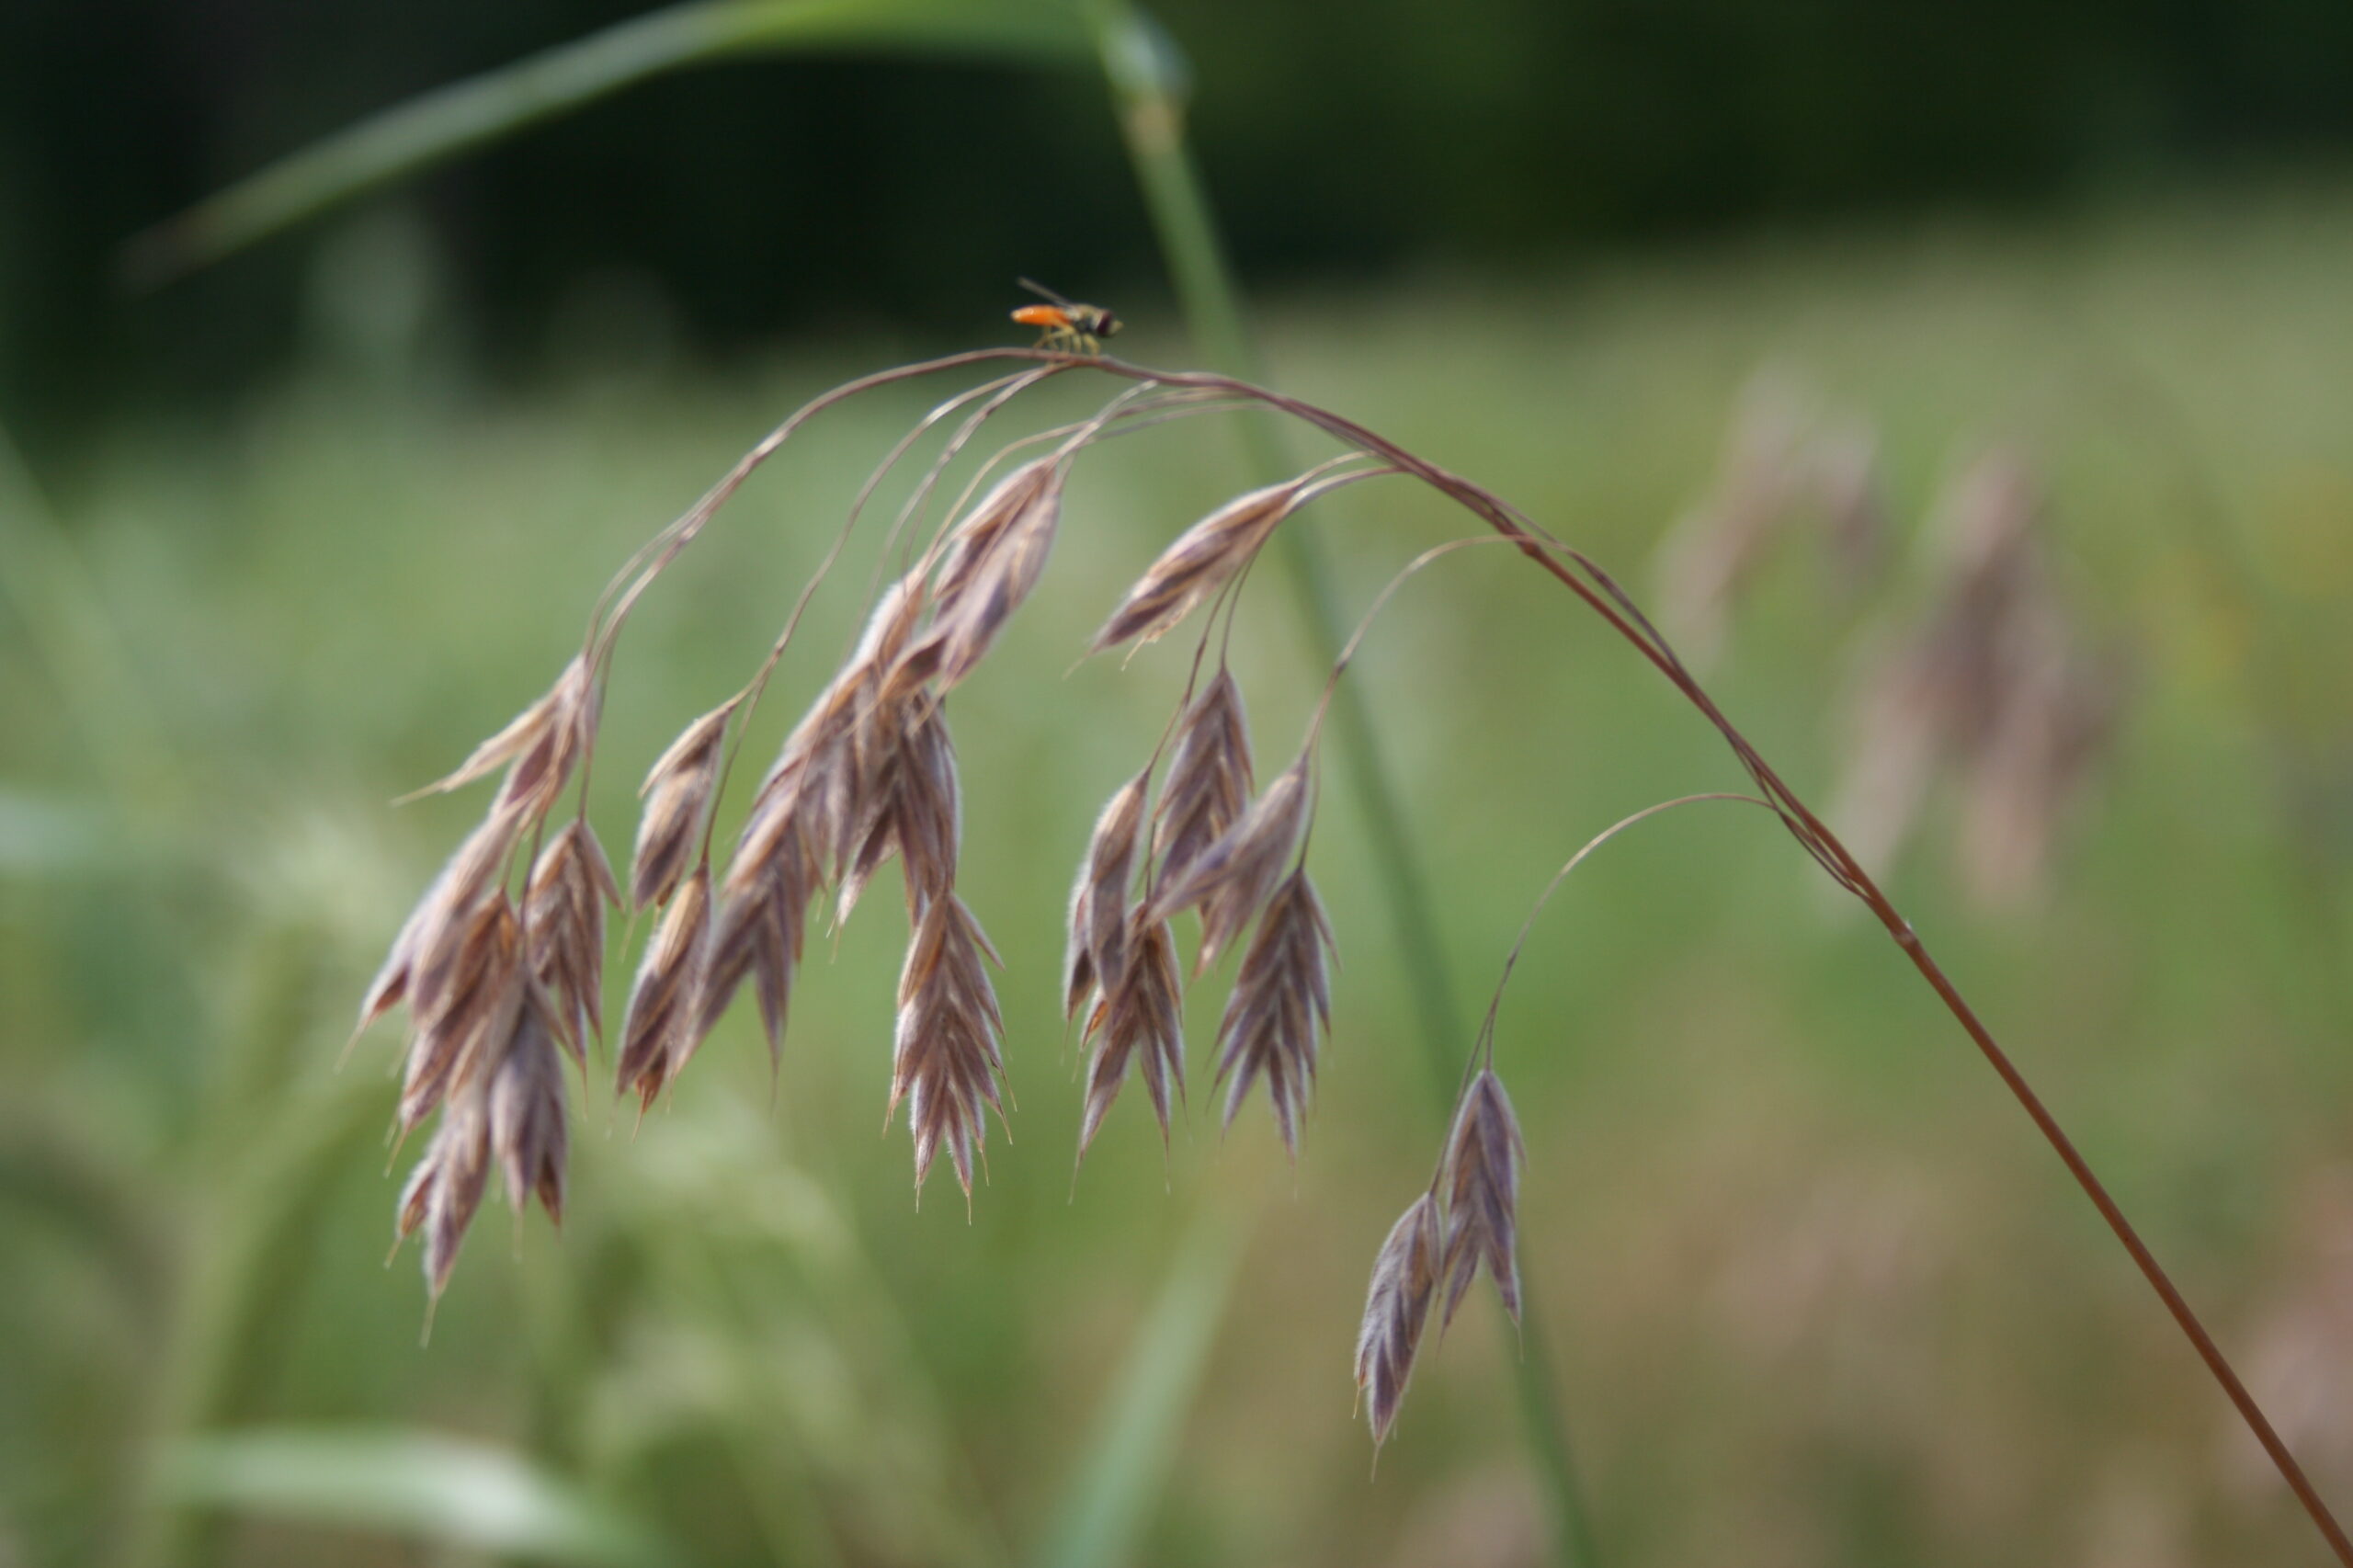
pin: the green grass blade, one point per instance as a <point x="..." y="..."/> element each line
<point x="1103" y="1516"/>
<point x="481" y="109"/>
<point x="415" y="1484"/>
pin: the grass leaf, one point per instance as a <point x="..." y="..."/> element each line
<point x="481" y="109"/>
<point x="1134" y="1439"/>
<point x="408" y="1482"/>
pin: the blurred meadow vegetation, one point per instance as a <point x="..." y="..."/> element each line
<point x="1813" y="1292"/>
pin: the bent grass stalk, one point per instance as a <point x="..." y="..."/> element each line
<point x="870" y="774"/>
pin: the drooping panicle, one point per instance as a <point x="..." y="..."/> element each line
<point x="1231" y="880"/>
<point x="1138" y="1022"/>
<point x="947" y="1060"/>
<point x="1203" y="560"/>
<point x="1098" y="908"/>
<point x="1479" y="1176"/>
<point x="995" y="558"/>
<point x="660" y="1029"/>
<point x="677" y="791"/>
<point x="526" y="1109"/>
<point x="1396" y="1310"/>
<point x="1209" y="778"/>
<point x="1280" y="1007"/>
<point x="564" y="919"/>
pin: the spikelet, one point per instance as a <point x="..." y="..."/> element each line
<point x="659" y="1031"/>
<point x="446" y="1188"/>
<point x="677" y="788"/>
<point x="995" y="558"/>
<point x="946" y="1061"/>
<point x="1138" y="1022"/>
<point x="525" y="1108"/>
<point x="1203" y="560"/>
<point x="1209" y="778"/>
<point x="476" y="1003"/>
<point x="540" y="743"/>
<point x="416" y="966"/>
<point x="760" y="931"/>
<point x="1232" y="879"/>
<point x="564" y="920"/>
<point x="912" y="809"/>
<point x="1396" y="1310"/>
<point x="1479" y="1176"/>
<point x="1279" y="1008"/>
<point x="1097" y="952"/>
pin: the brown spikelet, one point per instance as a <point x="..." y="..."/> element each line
<point x="1099" y="906"/>
<point x="1204" y="558"/>
<point x="762" y="920"/>
<point x="445" y="1188"/>
<point x="1138" y="1022"/>
<point x="912" y="809"/>
<point x="1396" y="1310"/>
<point x="1480" y="1175"/>
<point x="414" y="969"/>
<point x="541" y="726"/>
<point x="946" y="1061"/>
<point x="659" y="1032"/>
<point x="1209" y="778"/>
<point x="995" y="557"/>
<point x="677" y="788"/>
<point x="1280" y="1007"/>
<point x="564" y="920"/>
<point x="1232" y="879"/>
<point x="472" y="1010"/>
<point x="525" y="1108"/>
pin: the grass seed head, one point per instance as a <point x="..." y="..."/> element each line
<point x="1209" y="778"/>
<point x="1203" y="560"/>
<point x="1138" y="1022"/>
<point x="677" y="788"/>
<point x="1396" y="1310"/>
<point x="660" y="1030"/>
<point x="1280" y="1007"/>
<point x="995" y="558"/>
<point x="1479" y="1176"/>
<point x="1231" y="880"/>
<point x="525" y="1108"/>
<point x="946" y="1059"/>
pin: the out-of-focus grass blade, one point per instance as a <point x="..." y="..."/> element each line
<point x="1134" y="1440"/>
<point x="417" y="1484"/>
<point x="481" y="109"/>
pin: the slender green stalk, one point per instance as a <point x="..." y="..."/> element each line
<point x="440" y="125"/>
<point x="1149" y="89"/>
<point x="1134" y="1440"/>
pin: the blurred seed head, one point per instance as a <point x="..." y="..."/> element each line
<point x="662" y="1026"/>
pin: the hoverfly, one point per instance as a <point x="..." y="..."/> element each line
<point x="1077" y="329"/>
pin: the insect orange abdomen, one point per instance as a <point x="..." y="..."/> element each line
<point x="1041" y="315"/>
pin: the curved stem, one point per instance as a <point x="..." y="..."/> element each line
<point x="1602" y="594"/>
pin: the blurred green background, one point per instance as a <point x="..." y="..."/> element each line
<point x="279" y="542"/>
